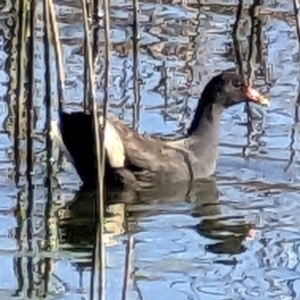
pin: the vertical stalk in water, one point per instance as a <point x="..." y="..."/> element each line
<point x="236" y="44"/>
<point x="30" y="109"/>
<point x="21" y="146"/>
<point x="240" y="61"/>
<point x="86" y="45"/>
<point x="128" y="267"/>
<point x="47" y="97"/>
<point x="52" y="35"/>
<point x="107" y="57"/>
<point x="29" y="130"/>
<point x="136" y="85"/>
<point x="58" y="56"/>
<point x="98" y="274"/>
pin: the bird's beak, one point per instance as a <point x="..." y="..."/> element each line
<point x="253" y="95"/>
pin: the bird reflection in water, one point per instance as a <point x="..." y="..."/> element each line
<point x="227" y="234"/>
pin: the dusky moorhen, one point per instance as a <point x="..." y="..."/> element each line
<point x="141" y="162"/>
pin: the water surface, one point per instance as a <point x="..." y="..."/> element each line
<point x="193" y="247"/>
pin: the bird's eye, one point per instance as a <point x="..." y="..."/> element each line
<point x="237" y="83"/>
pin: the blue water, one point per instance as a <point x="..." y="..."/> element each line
<point x="186" y="247"/>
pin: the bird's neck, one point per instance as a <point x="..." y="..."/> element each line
<point x="207" y="117"/>
<point x="203" y="138"/>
